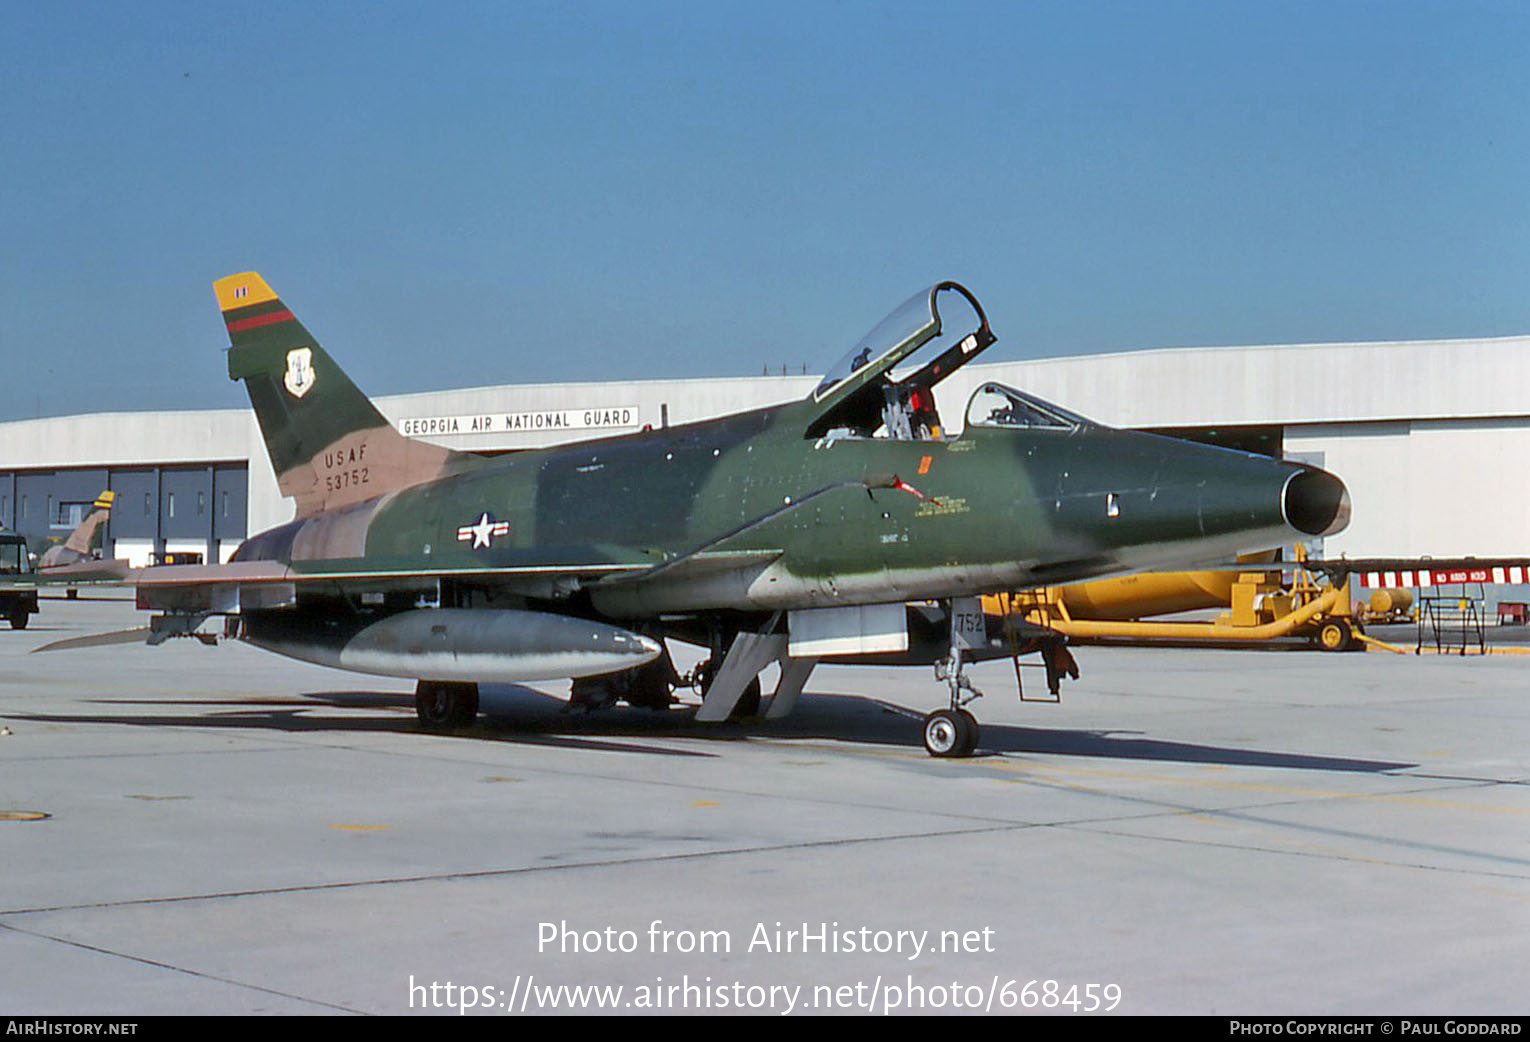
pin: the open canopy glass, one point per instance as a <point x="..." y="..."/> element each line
<point x="913" y="324"/>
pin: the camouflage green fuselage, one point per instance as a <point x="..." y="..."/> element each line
<point x="410" y="559"/>
<point x="748" y="513"/>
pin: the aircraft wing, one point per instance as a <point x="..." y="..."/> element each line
<point x="268" y="584"/>
<point x="89" y="571"/>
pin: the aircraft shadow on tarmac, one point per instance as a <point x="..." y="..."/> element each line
<point x="857" y="718"/>
<point x="511" y="713"/>
<point x="304" y="713"/>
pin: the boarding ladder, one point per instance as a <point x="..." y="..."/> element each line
<point x="1012" y="607"/>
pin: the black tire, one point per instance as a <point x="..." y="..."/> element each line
<point x="444" y="706"/>
<point x="970" y="732"/>
<point x="748" y="703"/>
<point x="944" y="734"/>
<point x="648" y="686"/>
<point x="588" y="694"/>
<point x="19" y="618"/>
<point x="1335" y="635"/>
<point x="703" y="675"/>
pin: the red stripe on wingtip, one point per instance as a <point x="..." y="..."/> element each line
<point x="254" y="321"/>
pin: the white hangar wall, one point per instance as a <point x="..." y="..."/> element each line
<point x="1446" y="488"/>
<point x="1431" y="436"/>
<point x="1293" y="384"/>
<point x="101" y="441"/>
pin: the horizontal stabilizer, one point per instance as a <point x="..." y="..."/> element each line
<point x="81" y="573"/>
<point x="98" y="640"/>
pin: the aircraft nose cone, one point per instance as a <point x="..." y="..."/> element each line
<point x="1315" y="502"/>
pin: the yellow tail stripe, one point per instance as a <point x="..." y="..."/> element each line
<point x="240" y="291"/>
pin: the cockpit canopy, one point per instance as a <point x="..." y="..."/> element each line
<point x="885" y="382"/>
<point x="911" y="325"/>
<point x="880" y="382"/>
<point x="995" y="405"/>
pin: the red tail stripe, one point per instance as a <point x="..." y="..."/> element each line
<point x="241" y="324"/>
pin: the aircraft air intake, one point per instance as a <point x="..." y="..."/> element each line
<point x="1315" y="502"/>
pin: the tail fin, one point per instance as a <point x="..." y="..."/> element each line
<point x="80" y="539"/>
<point x="329" y="445"/>
<point x="77" y="546"/>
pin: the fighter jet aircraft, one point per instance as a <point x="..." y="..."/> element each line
<point x="847" y="526"/>
<point x="75" y="561"/>
<point x="76" y="549"/>
<point x="69" y="562"/>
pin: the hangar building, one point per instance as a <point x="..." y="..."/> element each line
<point x="1431" y="437"/>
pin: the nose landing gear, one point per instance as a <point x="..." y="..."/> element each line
<point x="954" y="732"/>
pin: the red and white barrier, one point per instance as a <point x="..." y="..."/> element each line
<point x="1426" y="577"/>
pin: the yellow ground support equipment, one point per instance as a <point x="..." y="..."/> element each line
<point x="1260" y="606"/>
<point x="1392" y="605"/>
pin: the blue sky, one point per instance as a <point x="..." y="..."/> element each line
<point x="458" y="194"/>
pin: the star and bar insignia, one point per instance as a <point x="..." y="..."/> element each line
<point x="483" y="531"/>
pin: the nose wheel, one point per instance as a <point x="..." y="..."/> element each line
<point x="950" y="733"/>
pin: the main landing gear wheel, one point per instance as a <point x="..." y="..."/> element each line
<point x="748" y="704"/>
<point x="443" y="706"/>
<point x="648" y="687"/>
<point x="1335" y="635"/>
<point x="950" y="733"/>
